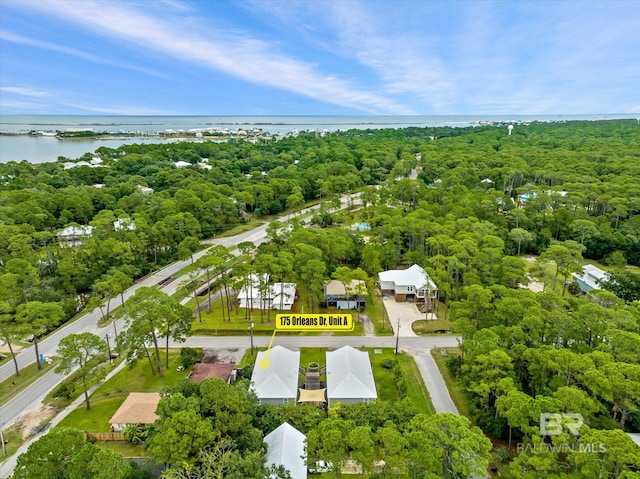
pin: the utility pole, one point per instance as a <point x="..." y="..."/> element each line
<point x="4" y="447"/>
<point x="397" y="335"/>
<point x="251" y="332"/>
<point x="108" y="347"/>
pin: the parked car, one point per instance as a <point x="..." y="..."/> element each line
<point x="320" y="467"/>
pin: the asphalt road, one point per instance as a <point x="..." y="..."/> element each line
<point x="31" y="396"/>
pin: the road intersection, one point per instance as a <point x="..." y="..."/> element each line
<point x="31" y="396"/>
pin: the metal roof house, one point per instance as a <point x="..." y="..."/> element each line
<point x="275" y="376"/>
<point x="590" y="278"/>
<point x="349" y="376"/>
<point x="338" y="296"/>
<point x="286" y="447"/>
<point x="74" y="235"/>
<point x="411" y="284"/>
<point x="272" y="296"/>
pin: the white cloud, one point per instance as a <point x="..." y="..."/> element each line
<point x="24" y="91"/>
<point x="236" y="53"/>
<point x="48" y="99"/>
<point x="22" y="40"/>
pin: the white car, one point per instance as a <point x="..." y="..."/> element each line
<point x="320" y="467"/>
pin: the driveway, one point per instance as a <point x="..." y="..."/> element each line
<point x="407" y="313"/>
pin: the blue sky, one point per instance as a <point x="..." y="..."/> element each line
<point x="331" y="57"/>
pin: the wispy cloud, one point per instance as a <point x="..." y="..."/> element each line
<point x="32" y="42"/>
<point x="48" y="99"/>
<point x="232" y="52"/>
<point x="24" y="91"/>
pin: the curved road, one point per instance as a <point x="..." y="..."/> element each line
<point x="31" y="396"/>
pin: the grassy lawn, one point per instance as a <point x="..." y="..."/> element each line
<point x="604" y="267"/>
<point x="13" y="440"/>
<point x="125" y="448"/>
<point x="28" y="375"/>
<point x="110" y="395"/>
<point x="376" y="312"/>
<point x="213" y="325"/>
<point x="432" y="326"/>
<point x="385" y="379"/>
<point x="457" y="394"/>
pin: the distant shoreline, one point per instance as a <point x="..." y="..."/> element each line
<point x="19" y="143"/>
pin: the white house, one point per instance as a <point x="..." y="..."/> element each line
<point x="286" y="447"/>
<point x="590" y="278"/>
<point x="412" y="284"/>
<point x="182" y="164"/>
<point x="74" y="235"/>
<point x="259" y="294"/>
<point x="125" y="224"/>
<point x="349" y="376"/>
<point x="145" y="190"/>
<point x="275" y="376"/>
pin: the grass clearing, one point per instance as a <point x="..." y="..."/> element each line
<point x="111" y="394"/>
<point x="378" y="315"/>
<point x="432" y="326"/>
<point x="13" y="441"/>
<point x="263" y="324"/>
<point x="124" y="448"/>
<point x="28" y="375"/>
<point x="387" y="382"/>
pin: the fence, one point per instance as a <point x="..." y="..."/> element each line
<point x="105" y="436"/>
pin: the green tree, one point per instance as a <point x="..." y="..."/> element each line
<point x="36" y="318"/>
<point x="47" y="457"/>
<point x="362" y="446"/>
<point x="152" y="313"/>
<point x="179" y="438"/>
<point x="187" y="247"/>
<point x="84" y="351"/>
<point x="519" y="236"/>
<point x="96" y="463"/>
<point x="10" y="330"/>
<point x="625" y="284"/>
<point x="566" y="259"/>
<point x="461" y="450"/>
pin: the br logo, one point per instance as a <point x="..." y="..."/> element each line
<point x="554" y="424"/>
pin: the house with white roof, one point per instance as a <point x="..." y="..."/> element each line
<point x="411" y="284"/>
<point x="145" y="190"/>
<point x="259" y="294"/>
<point x="74" y="235"/>
<point x="126" y="224"/>
<point x="275" y="376"/>
<point x="349" y="377"/>
<point x="182" y="164"/>
<point x="286" y="448"/>
<point x="590" y="278"/>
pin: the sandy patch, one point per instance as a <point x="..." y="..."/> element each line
<point x="223" y="355"/>
<point x="30" y="421"/>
